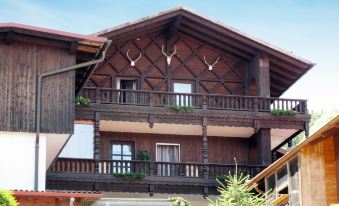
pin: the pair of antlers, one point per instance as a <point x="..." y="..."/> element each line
<point x="210" y="66"/>
<point x="169" y="57"/>
<point x="133" y="61"/>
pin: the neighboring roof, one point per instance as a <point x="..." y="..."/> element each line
<point x="324" y="132"/>
<point x="51" y="33"/>
<point x="57" y="194"/>
<point x="249" y="45"/>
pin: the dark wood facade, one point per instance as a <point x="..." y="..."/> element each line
<point x="229" y="76"/>
<point x="27" y="52"/>
<point x="222" y="150"/>
<point x="21" y="63"/>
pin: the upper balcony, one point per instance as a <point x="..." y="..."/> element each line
<point x="247" y="111"/>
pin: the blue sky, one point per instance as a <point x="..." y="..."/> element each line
<point x="309" y="28"/>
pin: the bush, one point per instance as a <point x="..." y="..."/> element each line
<point x="279" y="112"/>
<point x="7" y="198"/>
<point x="176" y="108"/>
<point x="130" y="175"/>
<point x="145" y="155"/>
<point x="179" y="201"/>
<point x="82" y="101"/>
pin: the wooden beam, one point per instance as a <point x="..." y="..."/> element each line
<point x="173" y="27"/>
<point x="260" y="68"/>
<point x="264" y="146"/>
<point x="96" y="149"/>
<point x="217" y="44"/>
<point x="203" y="29"/>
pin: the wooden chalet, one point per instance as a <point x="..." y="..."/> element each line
<point x="192" y="92"/>
<point x="308" y="174"/>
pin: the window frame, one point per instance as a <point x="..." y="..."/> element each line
<point x="167" y="144"/>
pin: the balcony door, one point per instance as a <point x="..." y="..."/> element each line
<point x="168" y="155"/>
<point x="185" y="88"/>
<point x="127" y="97"/>
<point x="121" y="152"/>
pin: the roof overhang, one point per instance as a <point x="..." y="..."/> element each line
<point x="286" y="67"/>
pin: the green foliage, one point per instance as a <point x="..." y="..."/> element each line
<point x="145" y="155"/>
<point x="7" y="198"/>
<point x="237" y="193"/>
<point x="130" y="175"/>
<point x="179" y="201"/>
<point x="280" y="112"/>
<point x="221" y="178"/>
<point x="176" y="108"/>
<point x="82" y="101"/>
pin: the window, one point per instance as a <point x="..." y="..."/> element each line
<point x="121" y="152"/>
<point x="167" y="153"/>
<point x="183" y="100"/>
<point x="127" y="97"/>
<point x="284" y="185"/>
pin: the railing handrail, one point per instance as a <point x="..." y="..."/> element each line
<point x="195" y="100"/>
<point x="201" y="94"/>
<point x="159" y="162"/>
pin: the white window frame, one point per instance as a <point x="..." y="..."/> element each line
<point x="167" y="144"/>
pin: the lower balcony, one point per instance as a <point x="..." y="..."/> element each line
<point x="117" y="175"/>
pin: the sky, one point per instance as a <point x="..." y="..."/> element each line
<point x="308" y="28"/>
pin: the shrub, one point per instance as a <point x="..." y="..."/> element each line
<point x="130" y="175"/>
<point x="145" y="155"/>
<point x="179" y="201"/>
<point x="7" y="198"/>
<point x="82" y="101"/>
<point x="176" y="108"/>
<point x="279" y="112"/>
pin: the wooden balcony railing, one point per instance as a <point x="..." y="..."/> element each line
<point x="149" y="168"/>
<point x="197" y="101"/>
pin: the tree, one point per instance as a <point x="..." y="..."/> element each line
<point x="7" y="198"/>
<point x="237" y="193"/>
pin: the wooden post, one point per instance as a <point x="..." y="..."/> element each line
<point x="205" y="153"/>
<point x="97" y="141"/>
<point x="260" y="65"/>
<point x="204" y="101"/>
<point x="264" y="146"/>
<point x="97" y="95"/>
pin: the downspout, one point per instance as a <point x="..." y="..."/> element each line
<point x="38" y="102"/>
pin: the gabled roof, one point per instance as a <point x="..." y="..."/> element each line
<point x="286" y="67"/>
<point x="327" y="130"/>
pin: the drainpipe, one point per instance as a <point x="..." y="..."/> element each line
<point x="38" y="102"/>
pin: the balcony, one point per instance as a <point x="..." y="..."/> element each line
<point x="222" y="110"/>
<point x="156" y="173"/>
<point x="194" y="100"/>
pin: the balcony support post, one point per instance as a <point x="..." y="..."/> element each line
<point x="205" y="154"/>
<point x="96" y="146"/>
<point x="264" y="146"/>
<point x="97" y="95"/>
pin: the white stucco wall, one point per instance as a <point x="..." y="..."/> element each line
<point x="80" y="145"/>
<point x="17" y="152"/>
